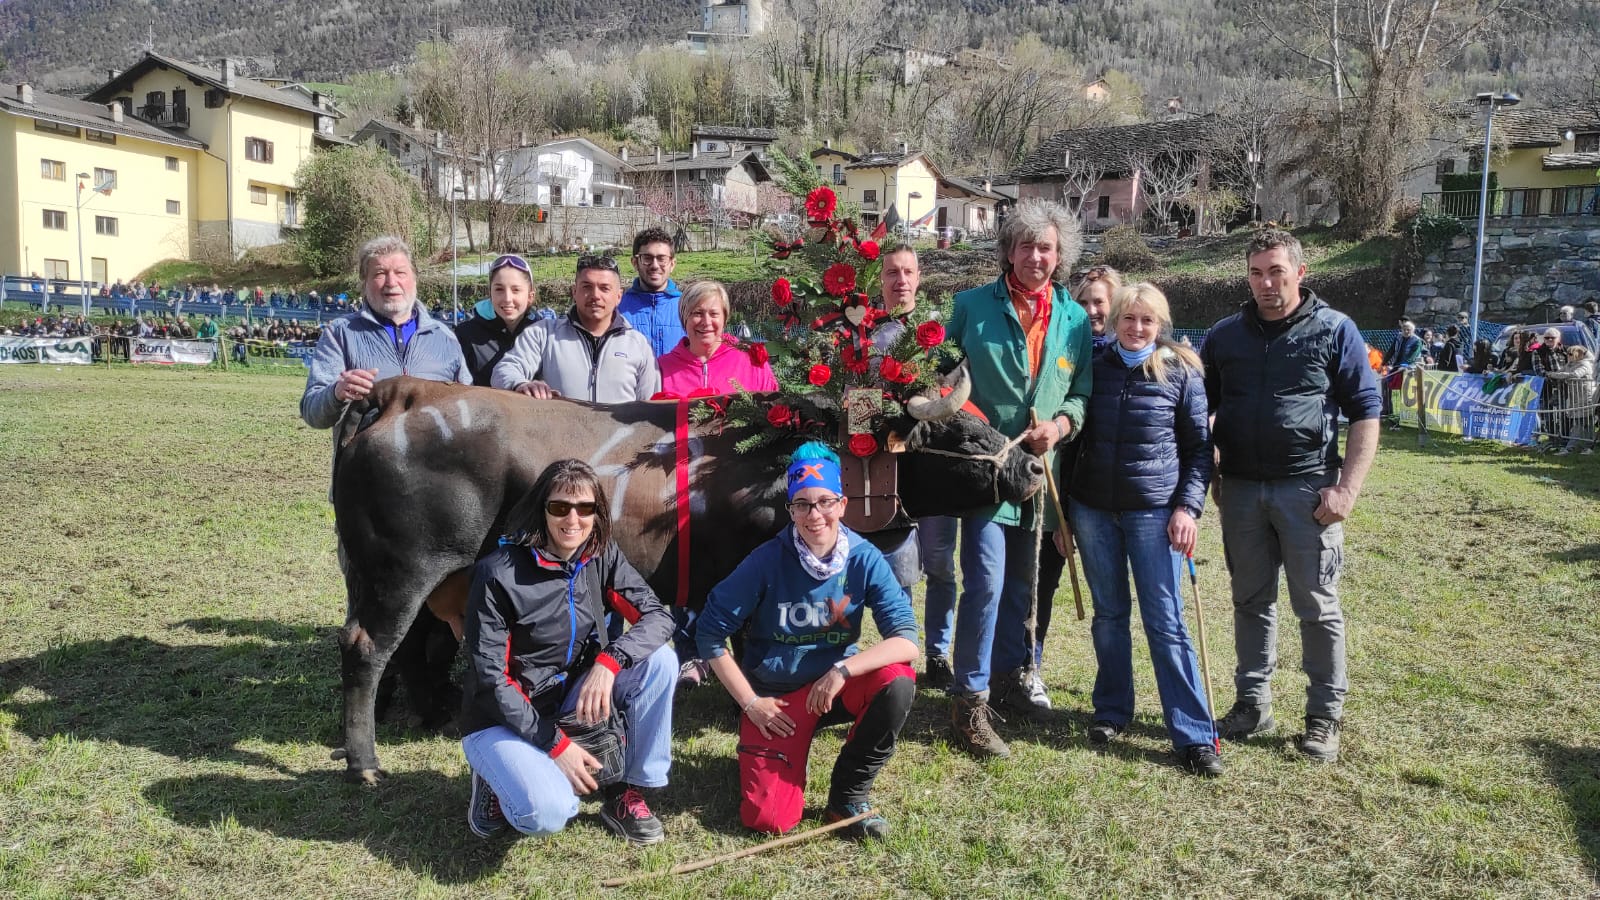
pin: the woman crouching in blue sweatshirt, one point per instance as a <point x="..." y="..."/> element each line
<point x="802" y="594"/>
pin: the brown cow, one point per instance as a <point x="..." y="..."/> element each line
<point x="426" y="471"/>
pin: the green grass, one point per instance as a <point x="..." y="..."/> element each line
<point x="1327" y="252"/>
<point x="169" y="690"/>
<point x="722" y="265"/>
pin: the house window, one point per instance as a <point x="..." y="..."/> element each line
<point x="555" y="195"/>
<point x="105" y="225"/>
<point x="174" y="208"/>
<point x="53" y="128"/>
<point x="869" y="196"/>
<point x="57" y="270"/>
<point x="172" y="164"/>
<point x="52" y="169"/>
<point x="105" y="179"/>
<point x="215" y="97"/>
<point x="55" y="219"/>
<point x="99" y="137"/>
<point x="1475" y="161"/>
<point x="155" y="99"/>
<point x="257" y="150"/>
<point x="258" y="195"/>
<point x="1442" y="168"/>
<point x="1103" y="208"/>
<point x="1587" y="143"/>
<point x="838" y="173"/>
<point x="98" y="269"/>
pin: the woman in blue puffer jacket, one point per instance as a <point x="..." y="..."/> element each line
<point x="1138" y="484"/>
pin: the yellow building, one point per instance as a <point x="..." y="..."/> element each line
<point x="255" y="139"/>
<point x="54" y="153"/>
<point x="903" y="179"/>
<point x="1546" y="162"/>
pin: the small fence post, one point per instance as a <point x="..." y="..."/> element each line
<point x="1422" y="408"/>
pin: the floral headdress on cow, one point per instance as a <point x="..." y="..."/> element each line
<point x="833" y="359"/>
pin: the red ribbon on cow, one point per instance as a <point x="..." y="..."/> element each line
<point x="681" y="470"/>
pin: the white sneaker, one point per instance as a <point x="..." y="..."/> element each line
<point x="1036" y="692"/>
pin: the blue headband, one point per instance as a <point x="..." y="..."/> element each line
<point x="816" y="472"/>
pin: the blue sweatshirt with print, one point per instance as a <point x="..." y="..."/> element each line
<point x="799" y="626"/>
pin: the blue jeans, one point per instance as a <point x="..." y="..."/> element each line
<point x="997" y="570"/>
<point x="536" y="798"/>
<point x="1109" y="542"/>
<point x="936" y="536"/>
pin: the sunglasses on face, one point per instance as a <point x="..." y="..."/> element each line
<point x="802" y="508"/>
<point x="1094" y="273"/>
<point x="560" y="508"/>
<point x="597" y="262"/>
<point x="512" y="260"/>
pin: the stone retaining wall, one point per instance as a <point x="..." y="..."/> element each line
<point x="1528" y="265"/>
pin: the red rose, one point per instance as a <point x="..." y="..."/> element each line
<point x="840" y="279"/>
<point x="890" y="369"/>
<point x="820" y="204"/>
<point x="863" y="445"/>
<point x="819" y="375"/>
<point x="869" y="249"/>
<point x="758" y="353"/>
<point x="930" y="334"/>
<point x="779" y="415"/>
<point x="782" y="292"/>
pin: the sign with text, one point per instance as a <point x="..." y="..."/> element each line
<point x="168" y="352"/>
<point x="78" y="351"/>
<point x="1490" y="407"/>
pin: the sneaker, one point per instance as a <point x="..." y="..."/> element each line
<point x="972" y="730"/>
<point x="1015" y="692"/>
<point x="873" y="828"/>
<point x="1246" y="720"/>
<point x="1587" y="451"/>
<point x="1321" y="740"/>
<point x="692" y="674"/>
<point x="1102" y="732"/>
<point x="1036" y="692"/>
<point x="937" y="673"/>
<point x="1562" y="452"/>
<point x="1202" y="760"/>
<point x="629" y="817"/>
<point x="483" y="810"/>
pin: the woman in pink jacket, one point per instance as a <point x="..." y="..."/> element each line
<point x="709" y="361"/>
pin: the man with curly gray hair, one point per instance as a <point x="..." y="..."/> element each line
<point x="1027" y="348"/>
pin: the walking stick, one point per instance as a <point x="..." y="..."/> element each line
<point x="707" y="863"/>
<point x="1205" y="663"/>
<point x="1061" y="516"/>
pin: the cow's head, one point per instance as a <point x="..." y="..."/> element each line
<point x="955" y="462"/>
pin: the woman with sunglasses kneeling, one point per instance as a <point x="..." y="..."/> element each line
<point x="803" y="595"/>
<point x="551" y="689"/>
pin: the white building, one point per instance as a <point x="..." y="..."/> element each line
<point x="565" y="172"/>
<point x="428" y="157"/>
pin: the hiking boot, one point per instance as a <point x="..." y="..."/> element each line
<point x="692" y="674"/>
<point x="1102" y="732"/>
<point x="873" y="828"/>
<point x="483" y="810"/>
<point x="1202" y="760"/>
<point x="972" y="730"/>
<point x="937" y="673"/>
<point x="1321" y="740"/>
<point x="1246" y="720"/>
<point x="629" y="817"/>
<point x="1019" y="691"/>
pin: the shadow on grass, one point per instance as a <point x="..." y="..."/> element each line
<point x="415" y="820"/>
<point x="1576" y="771"/>
<point x="1581" y="553"/>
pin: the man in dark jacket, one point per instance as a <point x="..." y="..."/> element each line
<point x="1278" y="375"/>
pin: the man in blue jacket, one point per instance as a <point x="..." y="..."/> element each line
<point x="650" y="304"/>
<point x="1278" y="375"/>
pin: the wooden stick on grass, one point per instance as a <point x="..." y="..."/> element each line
<point x="707" y="863"/>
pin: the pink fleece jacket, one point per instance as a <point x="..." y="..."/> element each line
<point x="684" y="375"/>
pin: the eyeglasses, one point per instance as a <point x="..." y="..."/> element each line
<point x="1093" y="273"/>
<point x="560" y="508"/>
<point x="512" y="260"/>
<point x="597" y="262"/>
<point x="646" y="258"/>
<point x="802" y="508"/>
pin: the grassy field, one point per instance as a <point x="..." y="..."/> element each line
<point x="169" y="689"/>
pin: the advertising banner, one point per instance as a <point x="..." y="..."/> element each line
<point x="167" y="352"/>
<point x="78" y="351"/>
<point x="1476" y="406"/>
<point x="276" y="353"/>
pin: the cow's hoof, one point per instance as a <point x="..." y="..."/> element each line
<point x="338" y="754"/>
<point x="363" y="776"/>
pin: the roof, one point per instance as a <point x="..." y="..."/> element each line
<point x="397" y="128"/>
<point x="973" y="186"/>
<point x="615" y="161"/>
<point x="684" y="162"/>
<point x="833" y="151"/>
<point x="1555" y="162"/>
<point x="83" y="114"/>
<point x="735" y="133"/>
<point x="1108" y="148"/>
<point x="242" y="86"/>
<point x="1528" y="128"/>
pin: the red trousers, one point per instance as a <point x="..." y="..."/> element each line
<point x="772" y="771"/>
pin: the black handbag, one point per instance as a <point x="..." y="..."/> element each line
<point x="604" y="740"/>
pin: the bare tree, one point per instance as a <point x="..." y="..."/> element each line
<point x="1165" y="176"/>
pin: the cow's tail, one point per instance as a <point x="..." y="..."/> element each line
<point x="360" y="414"/>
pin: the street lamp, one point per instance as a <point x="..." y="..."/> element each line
<point x="914" y="195"/>
<point x="1488" y="101"/>
<point x="1253" y="157"/>
<point x="83" y="283"/>
<point x="455" y="296"/>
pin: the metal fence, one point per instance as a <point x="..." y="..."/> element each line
<point x="1566" y="420"/>
<point x="1521" y="202"/>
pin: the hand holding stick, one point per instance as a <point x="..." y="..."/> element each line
<point x="1061" y="517"/>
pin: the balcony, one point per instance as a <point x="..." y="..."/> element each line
<point x="1517" y="203"/>
<point x="168" y="116"/>
<point x="869" y="205"/>
<point x="556" y="171"/>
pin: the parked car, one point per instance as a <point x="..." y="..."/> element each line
<point x="1572" y="333"/>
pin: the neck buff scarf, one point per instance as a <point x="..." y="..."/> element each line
<point x="822" y="569"/>
<point x="1135" y="358"/>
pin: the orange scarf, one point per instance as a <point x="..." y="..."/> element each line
<point x="1033" y="311"/>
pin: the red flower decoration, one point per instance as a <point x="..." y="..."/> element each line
<point x="840" y="279"/>
<point x="863" y="445"/>
<point x="869" y="249"/>
<point x="779" y="415"/>
<point x="758" y="353"/>
<point x="782" y="292"/>
<point x="895" y="372"/>
<point x="819" y="375"/>
<point x="820" y="204"/>
<point x="930" y="334"/>
<point x="854" y="362"/>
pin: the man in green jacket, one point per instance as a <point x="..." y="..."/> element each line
<point x="1028" y="348"/>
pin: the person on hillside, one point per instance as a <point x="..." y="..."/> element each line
<point x="1449" y="356"/>
<point x="1138" y="485"/>
<point x="1482" y="357"/>
<point x="650" y="304"/>
<point x="1028" y="350"/>
<point x="1576" y="399"/>
<point x="496" y="322"/>
<point x="207" y="330"/>
<point x="590" y="354"/>
<point x="547" y="674"/>
<point x="1403" y="354"/>
<point x="1093" y="288"/>
<point x="1279" y="374"/>
<point x="709" y="360"/>
<point x="394" y="335"/>
<point x="1591" y="317"/>
<point x="800" y="599"/>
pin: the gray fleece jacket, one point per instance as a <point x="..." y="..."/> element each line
<point x="359" y="341"/>
<point x="616" y="367"/>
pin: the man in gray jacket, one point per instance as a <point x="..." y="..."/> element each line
<point x="591" y="353"/>
<point x="392" y="335"/>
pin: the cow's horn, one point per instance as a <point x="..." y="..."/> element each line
<point x="924" y="410"/>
